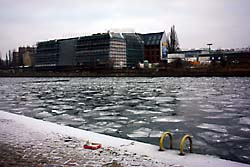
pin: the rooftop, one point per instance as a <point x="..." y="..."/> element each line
<point x="152" y="38"/>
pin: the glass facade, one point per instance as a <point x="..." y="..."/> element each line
<point x="101" y="51"/>
<point x="93" y="51"/>
<point x="134" y="49"/>
<point x="47" y="54"/>
<point x="106" y="50"/>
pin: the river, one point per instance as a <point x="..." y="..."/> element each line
<point x="215" y="111"/>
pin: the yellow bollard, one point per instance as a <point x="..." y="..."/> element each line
<point x="183" y="142"/>
<point x="162" y="140"/>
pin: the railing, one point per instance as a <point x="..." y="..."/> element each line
<point x="163" y="138"/>
<point x="182" y="143"/>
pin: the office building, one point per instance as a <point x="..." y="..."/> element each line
<point x="107" y="50"/>
<point x="155" y="47"/>
<point x="134" y="49"/>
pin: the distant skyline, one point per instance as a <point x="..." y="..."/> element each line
<point x="225" y="23"/>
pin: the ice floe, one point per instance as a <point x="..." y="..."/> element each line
<point x="213" y="127"/>
<point x="245" y="120"/>
<point x="168" y="119"/>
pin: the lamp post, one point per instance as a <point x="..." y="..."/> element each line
<point x="209" y="47"/>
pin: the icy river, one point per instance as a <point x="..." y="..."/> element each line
<point x="215" y="111"/>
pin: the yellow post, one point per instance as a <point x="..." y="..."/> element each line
<point x="183" y="142"/>
<point x="162" y="140"/>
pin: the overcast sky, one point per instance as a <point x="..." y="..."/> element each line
<point x="225" y="23"/>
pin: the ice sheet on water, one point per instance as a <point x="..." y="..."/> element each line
<point x="105" y="108"/>
<point x="58" y="111"/>
<point x="133" y="101"/>
<point x="218" y="117"/>
<point x="99" y="130"/>
<point x="168" y="119"/>
<point x="143" y="112"/>
<point x="155" y="133"/>
<point x="213" y="127"/>
<point x="207" y="106"/>
<point x="146" y="106"/>
<point x="66" y="119"/>
<point x="245" y="129"/>
<point x="159" y="99"/>
<point x="166" y="110"/>
<point x="245" y="120"/>
<point x="50" y="101"/>
<point x="111" y="118"/>
<point x="43" y="114"/>
<point x="224" y="116"/>
<point x="189" y="98"/>
<point x="142" y="132"/>
<point x="18" y="109"/>
<point x="237" y="138"/>
<point x="110" y="130"/>
<point x="141" y="121"/>
<point x="107" y="113"/>
<point x="210" y="110"/>
<point x="66" y="107"/>
<point x="214" y="137"/>
<point x="70" y="99"/>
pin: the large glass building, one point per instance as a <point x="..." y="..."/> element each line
<point x="107" y="50"/>
<point x="103" y="50"/>
<point x="56" y="53"/>
<point x="134" y="49"/>
<point x="47" y="54"/>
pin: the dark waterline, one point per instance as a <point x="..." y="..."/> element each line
<point x="215" y="111"/>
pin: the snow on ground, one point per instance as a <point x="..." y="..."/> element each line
<point x="57" y="144"/>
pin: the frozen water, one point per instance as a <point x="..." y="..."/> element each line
<point x="212" y="110"/>
<point x="202" y="107"/>
<point x="143" y="112"/>
<point x="245" y="120"/>
<point x="167" y="119"/>
<point x="142" y="132"/>
<point x="245" y="129"/>
<point x="213" y="127"/>
<point x="43" y="114"/>
<point x="160" y="99"/>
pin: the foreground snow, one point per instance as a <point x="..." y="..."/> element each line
<point x="168" y="157"/>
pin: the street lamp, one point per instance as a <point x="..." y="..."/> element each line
<point x="209" y="47"/>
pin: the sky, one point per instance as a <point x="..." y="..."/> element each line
<point x="225" y="23"/>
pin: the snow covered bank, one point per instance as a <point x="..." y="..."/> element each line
<point x="168" y="157"/>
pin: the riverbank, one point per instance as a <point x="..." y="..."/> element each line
<point x="26" y="141"/>
<point x="169" y="72"/>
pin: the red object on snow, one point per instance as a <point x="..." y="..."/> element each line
<point x="92" y="146"/>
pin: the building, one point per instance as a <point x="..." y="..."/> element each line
<point x="195" y="56"/>
<point x="107" y="50"/>
<point x="21" y="51"/>
<point x="155" y="47"/>
<point x="236" y="57"/>
<point x="103" y="50"/>
<point x="240" y="58"/>
<point x="47" y="54"/>
<point x="23" y="57"/>
<point x="56" y="53"/>
<point x="134" y="49"/>
<point x="15" y="59"/>
<point x="175" y="56"/>
<point x="28" y="59"/>
<point x="67" y="52"/>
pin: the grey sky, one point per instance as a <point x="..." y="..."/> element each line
<point x="225" y="23"/>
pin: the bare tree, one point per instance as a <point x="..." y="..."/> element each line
<point x="172" y="41"/>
